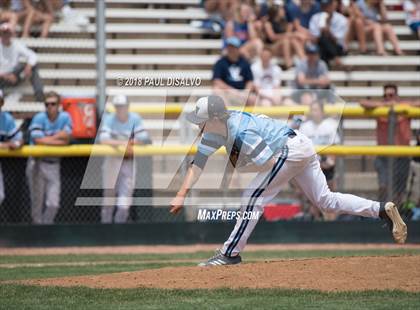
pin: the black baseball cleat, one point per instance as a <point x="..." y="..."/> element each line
<point x="219" y="259"/>
<point x="389" y="213"/>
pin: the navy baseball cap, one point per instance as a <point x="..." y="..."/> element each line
<point x="234" y="41"/>
<point x="208" y="107"/>
<point x="325" y="2"/>
<point x="311" y="49"/>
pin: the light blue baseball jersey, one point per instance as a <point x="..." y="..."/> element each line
<point x="8" y="129"/>
<point x="256" y="138"/>
<point x="133" y="128"/>
<point x="41" y="126"/>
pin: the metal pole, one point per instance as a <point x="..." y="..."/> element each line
<point x="100" y="57"/>
<point x="391" y="134"/>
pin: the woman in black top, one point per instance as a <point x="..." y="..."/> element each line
<point x="277" y="32"/>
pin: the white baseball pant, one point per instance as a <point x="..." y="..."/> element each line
<point x="297" y="162"/>
<point x="117" y="182"/>
<point x="44" y="186"/>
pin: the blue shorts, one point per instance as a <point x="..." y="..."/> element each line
<point x="415" y="26"/>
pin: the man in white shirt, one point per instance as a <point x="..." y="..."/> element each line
<point x="12" y="70"/>
<point x="267" y="78"/>
<point x="322" y="130"/>
<point x="329" y="29"/>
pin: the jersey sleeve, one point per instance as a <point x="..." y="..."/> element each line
<point x="254" y="146"/>
<point x="208" y="145"/>
<point x="36" y="128"/>
<point x="67" y="124"/>
<point x="13" y="132"/>
<point x="139" y="132"/>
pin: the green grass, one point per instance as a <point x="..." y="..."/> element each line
<point x="22" y="273"/>
<point x="30" y="297"/>
<point x="199" y="256"/>
<point x="15" y="296"/>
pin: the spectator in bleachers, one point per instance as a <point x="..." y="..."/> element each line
<point x="32" y="12"/>
<point x="232" y="76"/>
<point x="122" y="128"/>
<point x="12" y="71"/>
<point x="7" y="15"/>
<point x="376" y="25"/>
<point x="218" y="12"/>
<point x="412" y="10"/>
<point x="10" y="138"/>
<point x="329" y="30"/>
<point x="52" y="127"/>
<point x="277" y="32"/>
<point x="356" y="26"/>
<point x="267" y="78"/>
<point x="312" y="74"/>
<point x="243" y="27"/>
<point x="71" y="16"/>
<point x="300" y="15"/>
<point x="322" y="130"/>
<point x="402" y="136"/>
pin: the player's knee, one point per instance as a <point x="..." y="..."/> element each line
<point x="327" y="202"/>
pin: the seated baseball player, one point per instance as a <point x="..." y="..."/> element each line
<point x="52" y="127"/>
<point x="10" y="138"/>
<point x="278" y="154"/>
<point x="122" y="128"/>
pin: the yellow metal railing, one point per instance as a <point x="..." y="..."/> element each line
<point x="85" y="150"/>
<point x="335" y="109"/>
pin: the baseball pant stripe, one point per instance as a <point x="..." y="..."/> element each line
<point x="249" y="208"/>
<point x="254" y="197"/>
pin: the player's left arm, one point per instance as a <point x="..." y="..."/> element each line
<point x="209" y="144"/>
<point x="193" y="175"/>
<point x="64" y="135"/>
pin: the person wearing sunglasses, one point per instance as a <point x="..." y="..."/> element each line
<point x="52" y="127"/>
<point x="10" y="138"/>
<point x="402" y="136"/>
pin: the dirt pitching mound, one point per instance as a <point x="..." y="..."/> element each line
<point x="326" y="274"/>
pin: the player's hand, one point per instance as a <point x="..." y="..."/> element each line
<point x="177" y="204"/>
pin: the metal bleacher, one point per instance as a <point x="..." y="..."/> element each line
<point x="154" y="38"/>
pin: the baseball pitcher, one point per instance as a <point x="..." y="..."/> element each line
<point x="278" y="154"/>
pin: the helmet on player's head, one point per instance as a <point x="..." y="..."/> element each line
<point x="209" y="107"/>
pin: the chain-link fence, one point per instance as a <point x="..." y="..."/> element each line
<point x="360" y="178"/>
